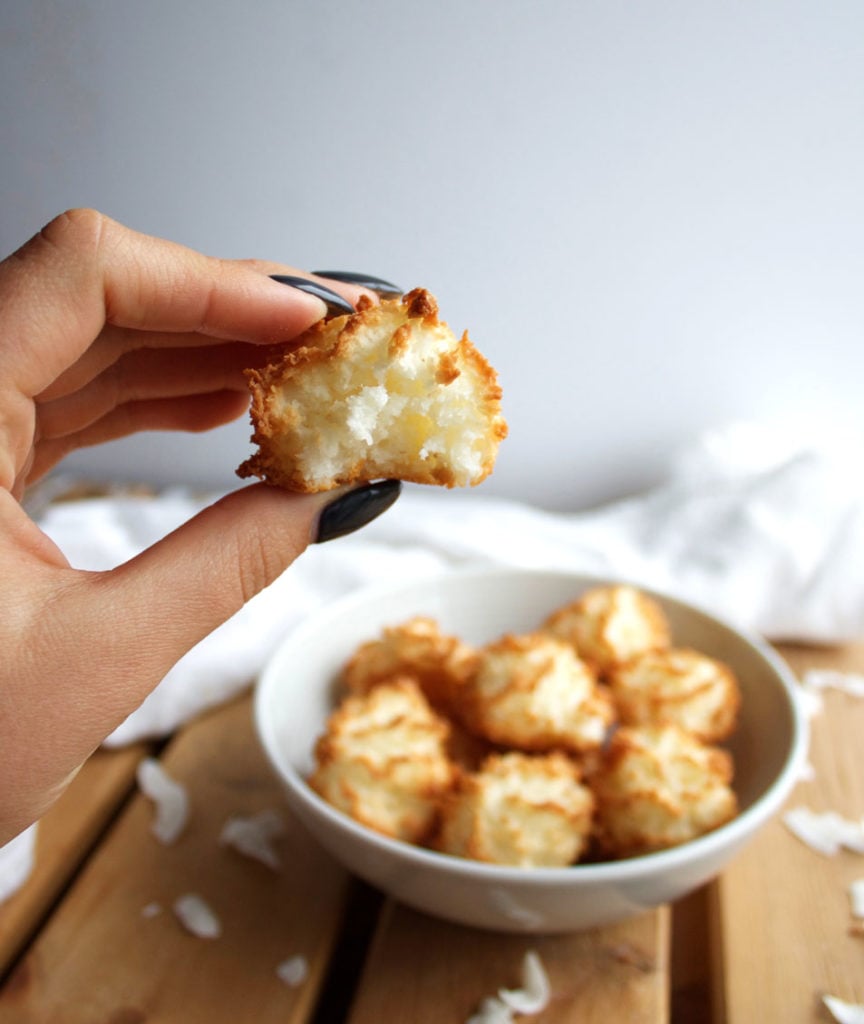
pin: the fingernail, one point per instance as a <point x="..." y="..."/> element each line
<point x="355" y="509"/>
<point x="383" y="288"/>
<point x="336" y="305"/>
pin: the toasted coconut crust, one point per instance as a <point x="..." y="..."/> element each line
<point x="532" y="692"/>
<point x="609" y="625"/>
<point x="518" y="809"/>
<point x="388" y="391"/>
<point x="383" y="760"/>
<point x="657" y="787"/>
<point x="678" y="685"/>
<point x="441" y="664"/>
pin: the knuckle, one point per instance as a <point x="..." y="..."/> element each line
<point x="81" y="228"/>
<point x="259" y="562"/>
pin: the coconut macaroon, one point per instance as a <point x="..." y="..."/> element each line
<point x="533" y="693"/>
<point x="659" y="786"/>
<point x="677" y="685"/>
<point x="518" y="809"/>
<point x="388" y="391"/>
<point x="610" y="624"/>
<point x="441" y="664"/>
<point x="383" y="760"/>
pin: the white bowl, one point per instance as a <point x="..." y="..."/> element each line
<point x="296" y="693"/>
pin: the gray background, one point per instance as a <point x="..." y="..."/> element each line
<point x="649" y="215"/>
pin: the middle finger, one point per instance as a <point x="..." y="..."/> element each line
<point x="149" y="374"/>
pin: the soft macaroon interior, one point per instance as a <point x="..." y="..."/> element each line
<point x="388" y="410"/>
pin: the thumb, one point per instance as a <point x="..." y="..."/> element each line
<point x="154" y="608"/>
<point x="87" y="648"/>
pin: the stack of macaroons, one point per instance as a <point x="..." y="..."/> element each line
<point x="589" y="737"/>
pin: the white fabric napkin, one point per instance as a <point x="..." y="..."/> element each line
<point x="763" y="529"/>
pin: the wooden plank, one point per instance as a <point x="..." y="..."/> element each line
<point x="427" y="971"/>
<point x="781" y="911"/>
<point x="100" y="959"/>
<point x="690" y="966"/>
<point x="65" y="836"/>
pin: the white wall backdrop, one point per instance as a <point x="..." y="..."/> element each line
<point x="649" y="215"/>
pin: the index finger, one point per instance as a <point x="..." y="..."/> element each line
<point x="84" y="270"/>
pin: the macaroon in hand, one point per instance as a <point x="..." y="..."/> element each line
<point x="386" y="392"/>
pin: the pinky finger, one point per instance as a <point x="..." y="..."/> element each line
<point x="191" y="414"/>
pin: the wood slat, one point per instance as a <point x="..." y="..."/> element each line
<point x="690" y="967"/>
<point x="428" y="971"/>
<point x="781" y="911"/>
<point x="65" y="837"/>
<point x="99" y="960"/>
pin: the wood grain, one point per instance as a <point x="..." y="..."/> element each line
<point x="428" y="971"/>
<point x="65" y="837"/>
<point x="781" y="911"/>
<point x="99" y="960"/>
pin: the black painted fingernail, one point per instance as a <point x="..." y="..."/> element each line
<point x="356" y="508"/>
<point x="386" y="289"/>
<point x="336" y="305"/>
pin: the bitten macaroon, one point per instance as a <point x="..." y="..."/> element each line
<point x="386" y="392"/>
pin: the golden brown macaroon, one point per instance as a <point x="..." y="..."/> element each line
<point x="383" y="760"/>
<point x="441" y="664"/>
<point x="608" y="625"/>
<point x="532" y="692"/>
<point x="388" y="391"/>
<point x="677" y="685"/>
<point x="519" y="809"/>
<point x="659" y="786"/>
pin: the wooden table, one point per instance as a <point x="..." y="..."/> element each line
<point x="758" y="945"/>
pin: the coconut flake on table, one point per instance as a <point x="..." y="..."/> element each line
<point x="492" y="1011"/>
<point x="816" y="679"/>
<point x="197" y="917"/>
<point x="151" y="910"/>
<point x="253" y="836"/>
<point x="825" y="833"/>
<point x="810" y="701"/>
<point x="169" y="797"/>
<point x="843" y="1012"/>
<point x="293" y="971"/>
<point x="530" y="999"/>
<point x="533" y="997"/>
<point x="856" y="898"/>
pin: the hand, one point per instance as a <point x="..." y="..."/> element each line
<point x="105" y="332"/>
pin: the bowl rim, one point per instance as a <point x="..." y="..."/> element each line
<point x="612" y="872"/>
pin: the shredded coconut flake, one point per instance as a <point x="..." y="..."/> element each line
<point x="827" y="678"/>
<point x="254" y="836"/>
<point x="810" y="701"/>
<point x="843" y="1012"/>
<point x="492" y="1011"/>
<point x="530" y="999"/>
<point x="826" y="833"/>
<point x="856" y="898"/>
<point x="533" y="997"/>
<point x="151" y="910"/>
<point x="197" y="917"/>
<point x="293" y="971"/>
<point x="169" y="797"/>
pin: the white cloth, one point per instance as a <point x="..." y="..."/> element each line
<point x="765" y="531"/>
<point x="16" y="861"/>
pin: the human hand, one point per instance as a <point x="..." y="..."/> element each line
<point x="105" y="332"/>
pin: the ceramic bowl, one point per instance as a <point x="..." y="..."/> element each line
<point x="297" y="691"/>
